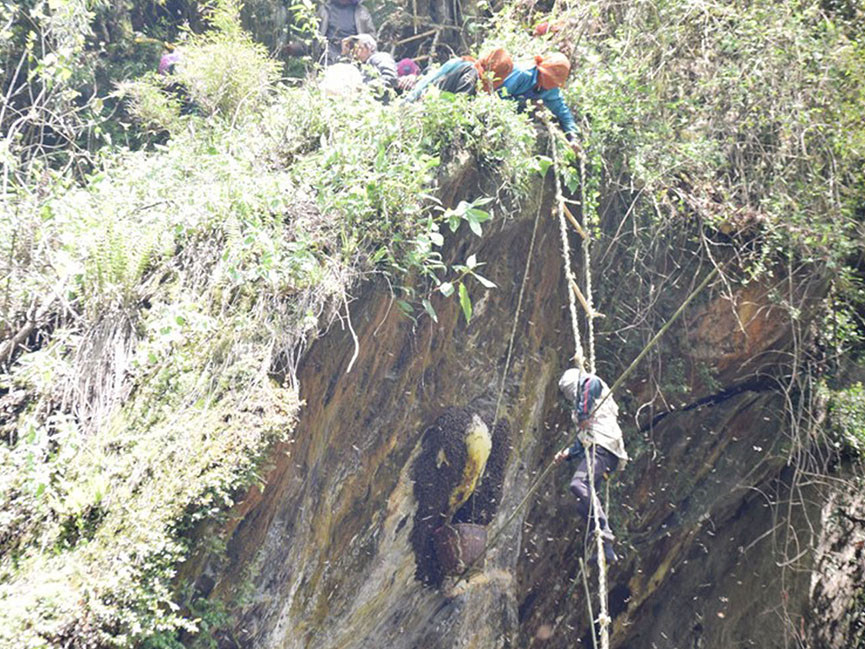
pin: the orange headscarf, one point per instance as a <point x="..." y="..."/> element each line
<point x="553" y="70"/>
<point x="542" y="29"/>
<point x="498" y="62"/>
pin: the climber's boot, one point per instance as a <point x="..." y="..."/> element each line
<point x="610" y="555"/>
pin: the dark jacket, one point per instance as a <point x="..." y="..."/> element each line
<point x="380" y="66"/>
<point x="334" y="34"/>
<point x="379" y="72"/>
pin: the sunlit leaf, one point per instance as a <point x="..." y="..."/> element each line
<point x="427" y="305"/>
<point x="483" y="280"/>
<point x="446" y="288"/>
<point x="465" y="303"/>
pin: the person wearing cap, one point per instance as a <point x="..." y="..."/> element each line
<point x="378" y="68"/>
<point x="599" y="445"/>
<point x="463" y="74"/>
<point x="338" y="19"/>
<point x="543" y="81"/>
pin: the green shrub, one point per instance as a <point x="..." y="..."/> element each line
<point x="846" y="417"/>
<point x="180" y="295"/>
<point x="152" y="103"/>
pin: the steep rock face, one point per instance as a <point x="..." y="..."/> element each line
<point x="330" y="533"/>
<point x="323" y="555"/>
<point x="838" y="584"/>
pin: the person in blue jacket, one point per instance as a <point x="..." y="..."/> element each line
<point x="462" y="75"/>
<point x="544" y="81"/>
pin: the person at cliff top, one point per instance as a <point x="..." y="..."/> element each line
<point x="543" y="81"/>
<point x="339" y="19"/>
<point x="599" y="442"/>
<point x="408" y="72"/>
<point x="378" y="68"/>
<point x="167" y="62"/>
<point x="463" y="74"/>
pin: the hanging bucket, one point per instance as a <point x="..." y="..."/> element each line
<point x="458" y="546"/>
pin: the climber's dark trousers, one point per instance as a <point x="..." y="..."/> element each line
<point x="605" y="463"/>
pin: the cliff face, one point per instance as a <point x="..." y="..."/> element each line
<point x="837" y="613"/>
<point x="714" y="526"/>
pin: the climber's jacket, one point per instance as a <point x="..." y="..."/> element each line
<point x="462" y="75"/>
<point x="456" y="75"/>
<point x="586" y="391"/>
<point x="380" y="68"/>
<point x="523" y="85"/>
<point x="337" y="21"/>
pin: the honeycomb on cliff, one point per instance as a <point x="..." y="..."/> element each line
<point x="438" y="469"/>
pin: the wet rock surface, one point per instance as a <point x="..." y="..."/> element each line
<point x="837" y="617"/>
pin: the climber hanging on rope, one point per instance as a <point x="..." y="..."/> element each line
<point x="461" y="75"/>
<point x="599" y="447"/>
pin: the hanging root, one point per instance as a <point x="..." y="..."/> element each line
<point x="353" y="335"/>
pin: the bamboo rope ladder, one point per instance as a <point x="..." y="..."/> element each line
<point x="583" y="363"/>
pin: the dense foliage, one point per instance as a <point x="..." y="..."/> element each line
<point x="156" y="301"/>
<point x="164" y="303"/>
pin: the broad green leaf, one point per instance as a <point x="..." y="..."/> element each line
<point x="483" y="280"/>
<point x="465" y="303"/>
<point x="479" y="215"/>
<point x="543" y="164"/>
<point x="405" y="307"/>
<point x="429" y="309"/>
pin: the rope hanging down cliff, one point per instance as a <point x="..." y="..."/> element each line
<point x="540" y="479"/>
<point x="580" y="358"/>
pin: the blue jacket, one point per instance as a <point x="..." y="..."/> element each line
<point x="522" y="85"/>
<point x="429" y="77"/>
